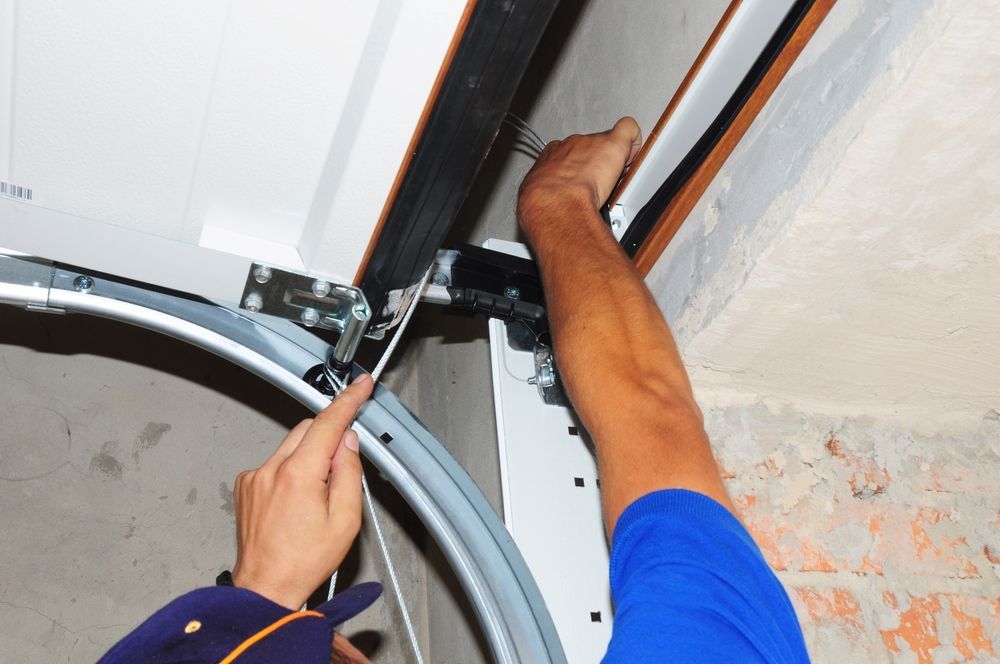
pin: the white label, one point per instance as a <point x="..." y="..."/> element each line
<point x="15" y="191"/>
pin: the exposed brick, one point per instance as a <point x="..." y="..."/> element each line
<point x="844" y="517"/>
<point x="833" y="606"/>
<point x="970" y="634"/>
<point x="943" y="549"/>
<point x="917" y="628"/>
<point x="867" y="478"/>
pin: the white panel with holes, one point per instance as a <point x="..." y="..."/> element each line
<point x="550" y="497"/>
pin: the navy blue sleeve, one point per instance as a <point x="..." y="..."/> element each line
<point x="690" y="585"/>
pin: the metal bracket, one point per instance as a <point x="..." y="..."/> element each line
<point x="28" y="283"/>
<point x="546" y="377"/>
<point x="312" y="302"/>
<point x="488" y="282"/>
<point x="619" y="218"/>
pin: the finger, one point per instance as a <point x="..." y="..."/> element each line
<point x="345" y="483"/>
<point x="288" y="445"/>
<point x="313" y="454"/>
<point x="240" y="486"/>
<point x="628" y="133"/>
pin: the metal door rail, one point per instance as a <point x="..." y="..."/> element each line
<point x="508" y="605"/>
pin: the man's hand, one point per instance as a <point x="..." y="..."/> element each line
<point x="581" y="168"/>
<point x="298" y="514"/>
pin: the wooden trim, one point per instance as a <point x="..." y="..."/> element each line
<point x="676" y="99"/>
<point x="691" y="192"/>
<point x="411" y="149"/>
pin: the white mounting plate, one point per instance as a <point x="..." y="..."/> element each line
<point x="556" y="524"/>
<point x="175" y="143"/>
<point x="746" y="34"/>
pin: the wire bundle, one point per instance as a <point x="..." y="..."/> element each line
<point x="527" y="133"/>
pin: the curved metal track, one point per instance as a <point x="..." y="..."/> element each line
<point x="508" y="605"/>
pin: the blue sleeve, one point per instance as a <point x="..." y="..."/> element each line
<point x="690" y="585"/>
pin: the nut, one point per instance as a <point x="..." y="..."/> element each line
<point x="262" y="274"/>
<point x="321" y="288"/>
<point x="253" y="303"/>
<point x="309" y="317"/>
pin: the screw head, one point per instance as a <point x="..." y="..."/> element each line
<point x="321" y="288"/>
<point x="616" y="223"/>
<point x="262" y="274"/>
<point x="83" y="284"/>
<point x="360" y="311"/>
<point x="439" y="279"/>
<point x="309" y="317"/>
<point x="512" y="292"/>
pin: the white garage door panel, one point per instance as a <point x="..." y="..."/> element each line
<point x="264" y="129"/>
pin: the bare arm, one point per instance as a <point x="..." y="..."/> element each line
<point x="615" y="352"/>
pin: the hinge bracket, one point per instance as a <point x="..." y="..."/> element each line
<point x="312" y="301"/>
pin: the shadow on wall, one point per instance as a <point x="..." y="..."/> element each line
<point x="86" y="335"/>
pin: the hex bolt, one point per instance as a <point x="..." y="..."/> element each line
<point x="262" y="274"/>
<point x="439" y="279"/>
<point x="83" y="284"/>
<point x="253" y="303"/>
<point x="513" y="292"/>
<point x="321" y="288"/>
<point x="309" y="317"/>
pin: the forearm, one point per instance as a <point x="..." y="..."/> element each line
<point x="618" y="359"/>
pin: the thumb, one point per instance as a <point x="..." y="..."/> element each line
<point x="627" y="130"/>
<point x="345" y="481"/>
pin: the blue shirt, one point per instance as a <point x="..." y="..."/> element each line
<point x="690" y="585"/>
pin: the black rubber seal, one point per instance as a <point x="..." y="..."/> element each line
<point x="490" y="60"/>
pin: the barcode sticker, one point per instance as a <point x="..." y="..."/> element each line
<point x="15" y="191"/>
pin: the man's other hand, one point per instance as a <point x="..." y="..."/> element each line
<point x="298" y="514"/>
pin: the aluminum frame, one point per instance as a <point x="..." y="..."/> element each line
<point x="508" y="605"/>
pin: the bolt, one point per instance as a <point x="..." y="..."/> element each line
<point x="546" y="377"/>
<point x="253" y="303"/>
<point x="439" y="279"/>
<point x="513" y="292"/>
<point x="83" y="284"/>
<point x="262" y="274"/>
<point x="309" y="317"/>
<point x="321" y="288"/>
